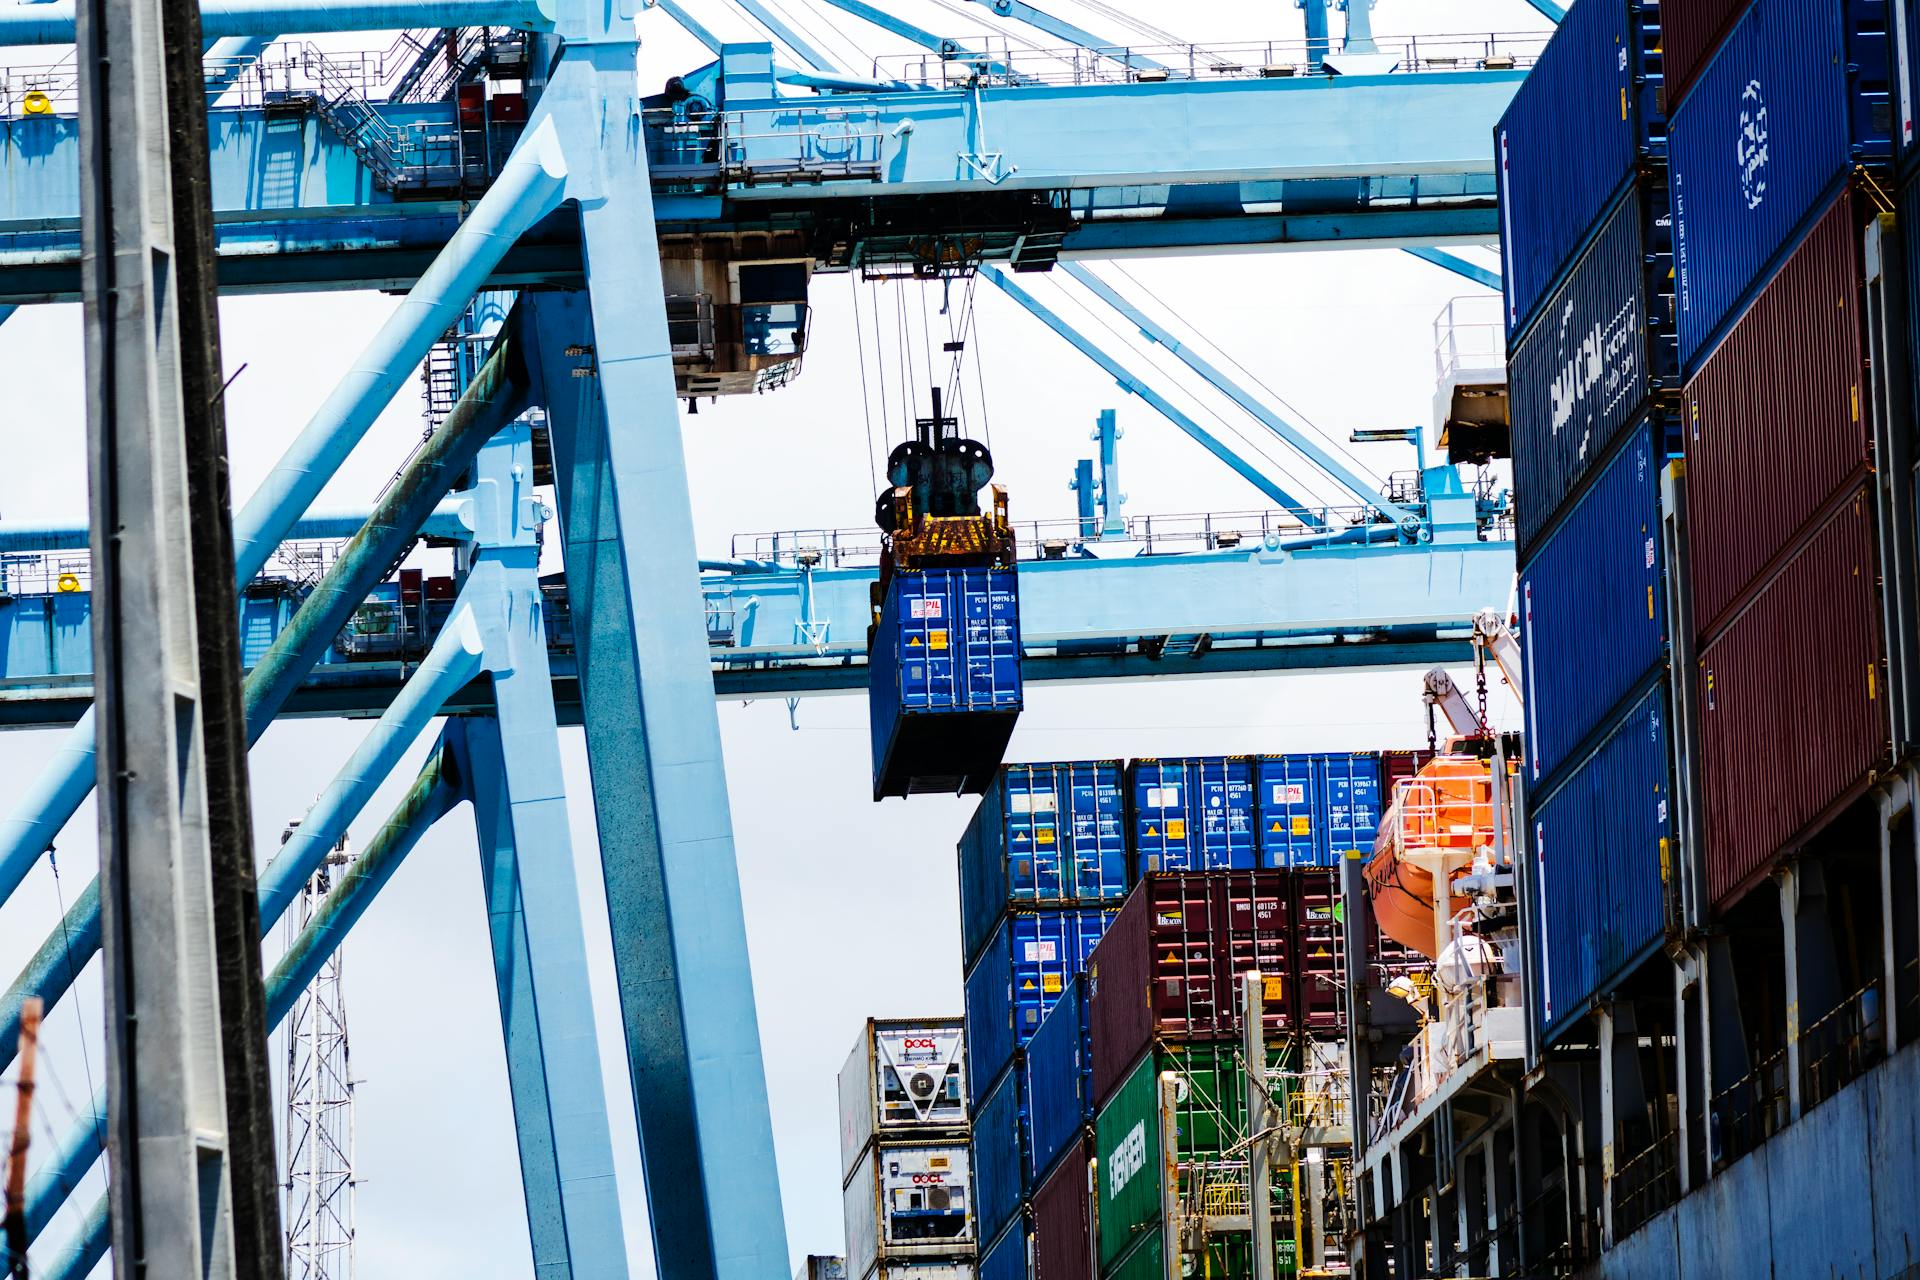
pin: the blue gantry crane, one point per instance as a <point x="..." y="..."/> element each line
<point x="662" y="244"/>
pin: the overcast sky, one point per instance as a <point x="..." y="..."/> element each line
<point x="851" y="907"/>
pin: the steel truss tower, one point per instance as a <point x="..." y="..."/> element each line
<point x="318" y="1150"/>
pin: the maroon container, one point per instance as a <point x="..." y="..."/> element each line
<point x="1169" y="964"/>
<point x="1320" y="994"/>
<point x="1792" y="722"/>
<point x="1690" y="32"/>
<point x="1775" y="425"/>
<point x="1395" y="766"/>
<point x="1063" y="1219"/>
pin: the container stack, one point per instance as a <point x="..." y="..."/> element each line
<point x="1043" y="867"/>
<point x="1592" y="375"/>
<point x="1247" y="847"/>
<point x="1780" y="142"/>
<point x="907" y="1188"/>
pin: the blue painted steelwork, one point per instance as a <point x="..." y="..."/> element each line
<point x="1311" y="601"/>
<point x="950" y="50"/>
<point x="1587" y="116"/>
<point x="1128" y="382"/>
<point x="529" y="188"/>
<point x="1459" y="266"/>
<point x="1316" y="810"/>
<point x="1410" y="144"/>
<point x="1292" y="436"/>
<point x="1059" y="1082"/>
<point x="1015" y="982"/>
<point x="1593" y="605"/>
<point x="513" y="774"/>
<point x="793" y="39"/>
<point x="1197" y="814"/>
<point x="1795" y="97"/>
<point x="653" y="737"/>
<point x="1064" y="30"/>
<point x="51" y="21"/>
<point x="998" y="1146"/>
<point x="431" y="796"/>
<point x="1601" y="858"/>
<point x="1581" y="377"/>
<point x="446" y="521"/>
<point x="1548" y="10"/>
<point x="1044" y="835"/>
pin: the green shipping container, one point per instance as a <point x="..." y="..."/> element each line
<point x="1227" y="1258"/>
<point x="1211" y="1117"/>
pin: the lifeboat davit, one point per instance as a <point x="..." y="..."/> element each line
<point x="1434" y="824"/>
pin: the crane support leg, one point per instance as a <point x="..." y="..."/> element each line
<point x="653" y="736"/>
<point x="513" y="774"/>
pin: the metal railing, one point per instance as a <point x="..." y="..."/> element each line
<point x="1645" y="1184"/>
<point x="1750" y="1110"/>
<point x="1469" y="333"/>
<point x="993" y="60"/>
<point x="1838" y="1047"/>
<point x="1055" y="539"/>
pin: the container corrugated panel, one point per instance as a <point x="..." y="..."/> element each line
<point x="1007" y="1257"/>
<point x="1032" y="957"/>
<point x="999" y="1157"/>
<point x="1593" y="606"/>
<point x="1320" y="992"/>
<point x="1775" y="423"/>
<point x="1314" y="808"/>
<point x="1195" y="814"/>
<point x="1791" y="717"/>
<point x="1169" y="964"/>
<point x="1063" y="1219"/>
<point x="1044" y="834"/>
<point x="1570" y="139"/>
<point x="1690" y="32"/>
<point x="1767" y="134"/>
<point x="1059" y="1080"/>
<point x="1602" y="857"/>
<point x="1583" y="375"/>
<point x="943" y="679"/>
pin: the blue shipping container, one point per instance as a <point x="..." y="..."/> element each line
<point x="1583" y="375"/>
<point x="1007" y="1257"/>
<point x="999" y="1145"/>
<point x="1571" y="138"/>
<point x="1044" y="835"/>
<point x="1593" y="606"/>
<point x="1017" y="979"/>
<point x="1315" y="809"/>
<point x="1059" y="1070"/>
<point x="1601" y="860"/>
<point x="943" y="680"/>
<point x="1795" y="96"/>
<point x="1195" y="814"/>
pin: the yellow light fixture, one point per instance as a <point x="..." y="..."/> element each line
<point x="37" y="103"/>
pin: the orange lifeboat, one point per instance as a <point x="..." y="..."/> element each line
<point x="1436" y="821"/>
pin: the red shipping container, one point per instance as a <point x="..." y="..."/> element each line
<point x="1774" y="426"/>
<point x="1063" y="1220"/>
<point x="1170" y="962"/>
<point x="1792" y="723"/>
<point x="1690" y="34"/>
<point x="1320" y="994"/>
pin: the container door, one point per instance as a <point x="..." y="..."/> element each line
<point x="1226" y="801"/>
<point x="1034" y="844"/>
<point x="1352" y="817"/>
<point x="1045" y="953"/>
<point x="1096" y="805"/>
<point x="1160" y="816"/>
<point x="1291" y="833"/>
